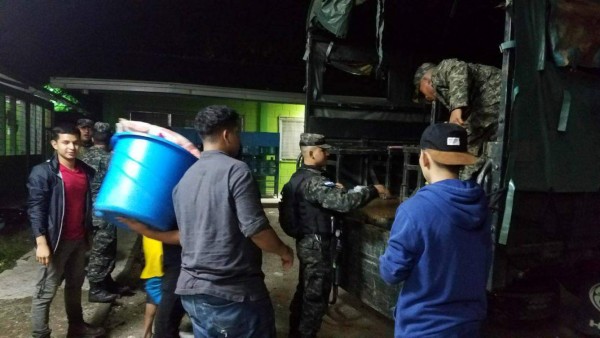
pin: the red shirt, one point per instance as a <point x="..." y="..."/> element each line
<point x="76" y="185"/>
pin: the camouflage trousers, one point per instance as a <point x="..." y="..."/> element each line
<point x="478" y="147"/>
<point x="311" y="299"/>
<point x="104" y="251"/>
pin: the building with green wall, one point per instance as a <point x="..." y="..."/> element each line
<point x="177" y="104"/>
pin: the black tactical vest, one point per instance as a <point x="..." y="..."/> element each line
<point x="311" y="217"/>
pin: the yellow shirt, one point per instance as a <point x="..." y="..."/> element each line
<point x="153" y="255"/>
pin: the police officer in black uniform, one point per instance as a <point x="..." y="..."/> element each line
<point x="317" y="198"/>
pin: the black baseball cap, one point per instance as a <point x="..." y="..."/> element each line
<point x="446" y="143"/>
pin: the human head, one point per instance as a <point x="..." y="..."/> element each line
<point x="314" y="149"/>
<point x="422" y="82"/>
<point x="101" y="133"/>
<point x="219" y="128"/>
<point x="444" y="150"/>
<point x="85" y="128"/>
<point x="65" y="141"/>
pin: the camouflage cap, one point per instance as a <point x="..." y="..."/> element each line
<point x="102" y="127"/>
<point x="421" y="72"/>
<point x="81" y="123"/>
<point x="317" y="140"/>
<point x="419" y="75"/>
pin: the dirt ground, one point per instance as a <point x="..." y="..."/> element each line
<point x="348" y="318"/>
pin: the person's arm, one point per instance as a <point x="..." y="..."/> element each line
<point x="318" y="190"/>
<point x="456" y="117"/>
<point x="453" y="74"/>
<point x="42" y="250"/>
<point x="167" y="237"/>
<point x="38" y="199"/>
<point x="251" y="216"/>
<point x="267" y="240"/>
<point x="402" y="251"/>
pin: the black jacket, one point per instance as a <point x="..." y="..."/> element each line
<point x="46" y="200"/>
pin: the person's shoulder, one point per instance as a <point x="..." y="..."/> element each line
<point x="42" y="168"/>
<point x="419" y="203"/>
<point x="318" y="185"/>
<point x="86" y="167"/>
<point x="451" y="61"/>
<point x="318" y="179"/>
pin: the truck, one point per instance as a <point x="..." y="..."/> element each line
<point x="542" y="176"/>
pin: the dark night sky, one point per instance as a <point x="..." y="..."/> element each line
<point x="245" y="43"/>
<point x="237" y="43"/>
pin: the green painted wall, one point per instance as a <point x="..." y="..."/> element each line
<point x="119" y="105"/>
<point x="258" y="116"/>
<point x="269" y="122"/>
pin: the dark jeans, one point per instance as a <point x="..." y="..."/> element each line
<point x="311" y="299"/>
<point x="217" y="317"/>
<point x="170" y="310"/>
<point x="68" y="263"/>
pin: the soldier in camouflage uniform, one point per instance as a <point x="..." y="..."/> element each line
<point x="471" y="92"/>
<point x="104" y="245"/>
<point x="317" y="198"/>
<point x="86" y="129"/>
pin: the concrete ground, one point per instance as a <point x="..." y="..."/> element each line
<point x="348" y="318"/>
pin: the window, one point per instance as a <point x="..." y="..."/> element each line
<point x="14" y="135"/>
<point x="2" y="125"/>
<point x="290" y="129"/>
<point x="35" y="129"/>
<point x="21" y="128"/>
<point x="9" y="125"/>
<point x="47" y="125"/>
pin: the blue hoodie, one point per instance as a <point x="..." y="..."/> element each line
<point x="440" y="246"/>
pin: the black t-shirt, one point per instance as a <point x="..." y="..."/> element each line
<point x="171" y="255"/>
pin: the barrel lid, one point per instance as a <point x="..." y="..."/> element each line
<point x="131" y="134"/>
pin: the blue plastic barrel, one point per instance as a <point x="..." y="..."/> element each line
<point x="142" y="173"/>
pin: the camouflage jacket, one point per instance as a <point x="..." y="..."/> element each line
<point x="321" y="190"/>
<point x="474" y="88"/>
<point x="97" y="158"/>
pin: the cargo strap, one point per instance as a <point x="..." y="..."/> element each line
<point x="515" y="92"/>
<point x="564" y="111"/>
<point x="541" y="25"/>
<point x="507" y="45"/>
<point x="508" y="207"/>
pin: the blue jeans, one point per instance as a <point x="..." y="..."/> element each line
<point x="217" y="317"/>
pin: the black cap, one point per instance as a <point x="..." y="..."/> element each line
<point x="81" y="123"/>
<point x="446" y="143"/>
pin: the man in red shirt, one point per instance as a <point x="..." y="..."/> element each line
<point x="59" y="210"/>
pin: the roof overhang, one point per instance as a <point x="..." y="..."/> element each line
<point x="17" y="85"/>
<point x="108" y="85"/>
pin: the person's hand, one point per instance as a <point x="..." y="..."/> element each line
<point x="287" y="259"/>
<point x="456" y="117"/>
<point x="133" y="224"/>
<point x="42" y="254"/>
<point x="382" y="190"/>
<point x="339" y="185"/>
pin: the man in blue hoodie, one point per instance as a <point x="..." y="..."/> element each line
<point x="440" y="245"/>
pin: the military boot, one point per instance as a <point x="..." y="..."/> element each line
<point x="116" y="288"/>
<point x="84" y="330"/>
<point x="99" y="293"/>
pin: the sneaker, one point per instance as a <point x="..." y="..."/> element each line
<point x="85" y="330"/>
